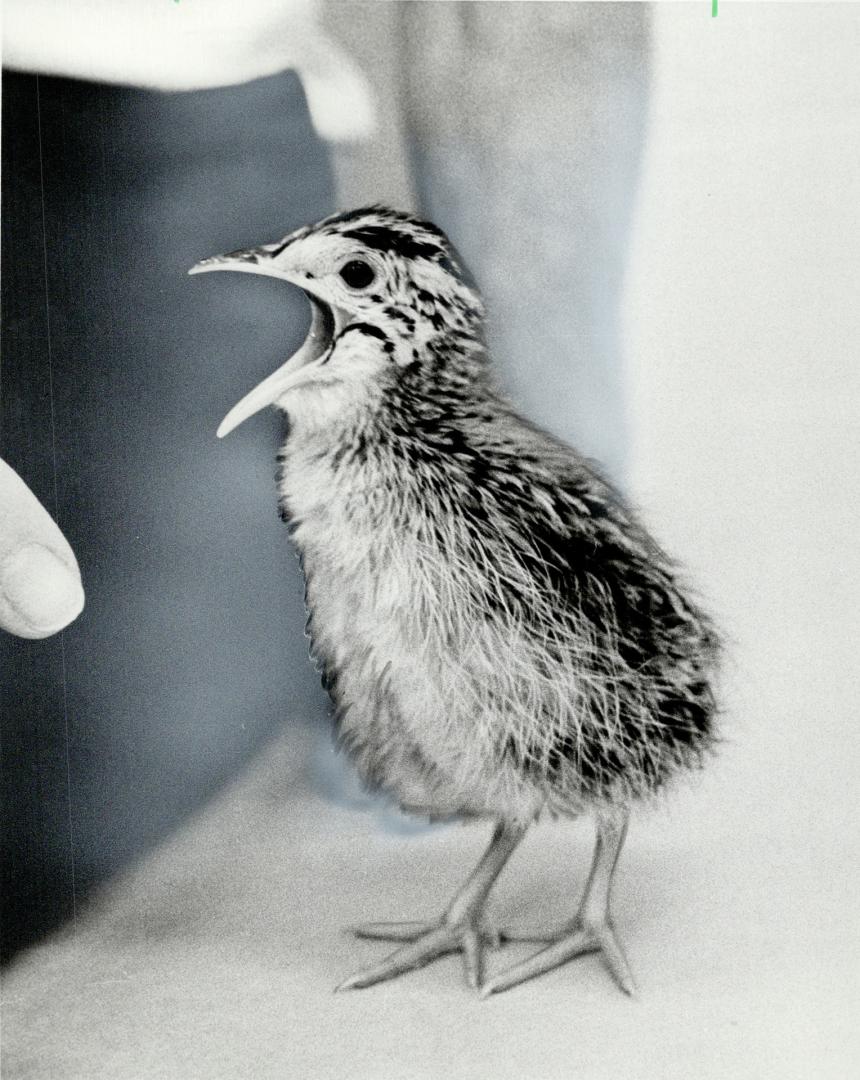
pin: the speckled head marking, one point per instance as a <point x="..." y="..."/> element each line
<point x="388" y="295"/>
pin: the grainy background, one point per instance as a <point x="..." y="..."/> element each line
<point x="214" y="953"/>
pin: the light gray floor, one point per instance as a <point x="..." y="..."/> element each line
<point x="736" y="899"/>
<point x="217" y="956"/>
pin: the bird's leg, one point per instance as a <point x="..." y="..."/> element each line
<point x="461" y="928"/>
<point x="591" y="929"/>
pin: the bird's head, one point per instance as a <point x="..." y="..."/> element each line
<point x="389" y="299"/>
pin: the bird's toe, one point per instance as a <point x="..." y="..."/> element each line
<point x="422" y="943"/>
<point x="578" y="941"/>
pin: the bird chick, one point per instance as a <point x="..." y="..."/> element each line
<point x="499" y="634"/>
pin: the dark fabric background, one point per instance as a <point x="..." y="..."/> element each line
<point x="117" y="368"/>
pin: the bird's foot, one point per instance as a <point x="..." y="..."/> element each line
<point x="579" y="938"/>
<point x="425" y="942"/>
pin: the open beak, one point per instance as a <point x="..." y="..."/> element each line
<point x="325" y="324"/>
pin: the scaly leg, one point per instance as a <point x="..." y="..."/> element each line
<point x="461" y="928"/>
<point x="590" y="931"/>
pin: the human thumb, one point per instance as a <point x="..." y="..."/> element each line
<point x="40" y="583"/>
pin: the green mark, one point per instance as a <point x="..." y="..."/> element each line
<point x="715" y="5"/>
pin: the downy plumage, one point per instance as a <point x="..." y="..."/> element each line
<point x="498" y="632"/>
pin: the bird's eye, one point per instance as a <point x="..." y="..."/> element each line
<point x="357" y="273"/>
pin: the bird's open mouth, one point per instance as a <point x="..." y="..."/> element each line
<point x="322" y="329"/>
<point x="325" y="325"/>
<point x="293" y="373"/>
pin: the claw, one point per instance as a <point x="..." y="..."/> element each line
<point x="600" y="938"/>
<point x="615" y="960"/>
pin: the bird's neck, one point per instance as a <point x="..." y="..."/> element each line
<point x="446" y="382"/>
<point x="416" y="436"/>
